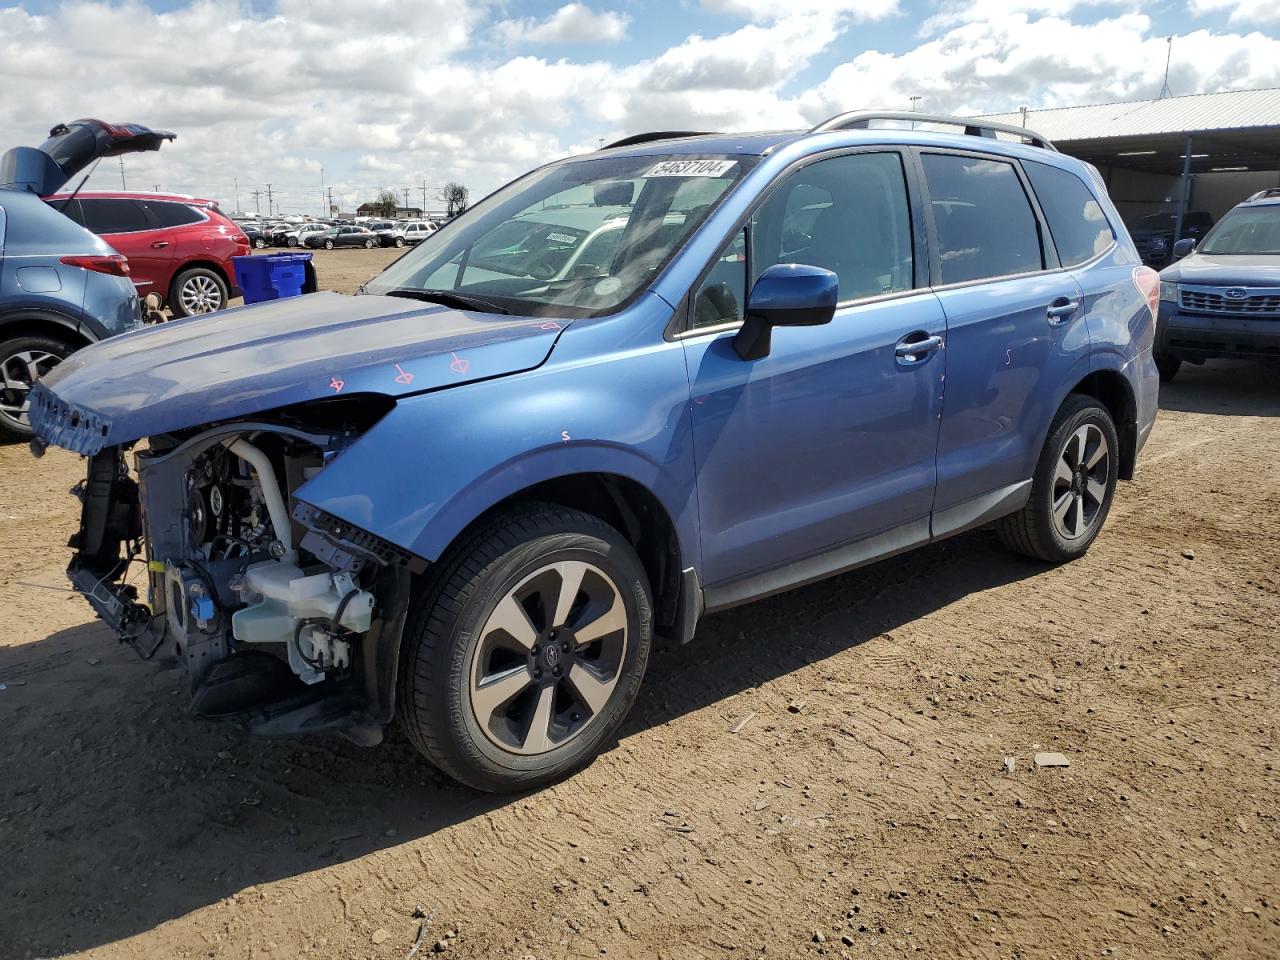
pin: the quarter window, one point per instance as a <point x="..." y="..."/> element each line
<point x="986" y="227"/>
<point x="1079" y="227"/>
<point x="171" y="214"/>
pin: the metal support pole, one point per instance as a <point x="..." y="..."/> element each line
<point x="1184" y="192"/>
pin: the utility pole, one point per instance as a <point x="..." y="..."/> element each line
<point x="1165" y="91"/>
<point x="914" y="100"/>
<point x="268" y="199"/>
<point x="122" y="185"/>
<point x="424" y="196"/>
<point x="406" y="201"/>
<point x="324" y="212"/>
<point x="257" y="208"/>
<point x="236" y="181"/>
<point x="329" y="212"/>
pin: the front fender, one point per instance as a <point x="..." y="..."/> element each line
<point x="439" y="460"/>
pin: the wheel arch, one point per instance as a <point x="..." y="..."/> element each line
<point x="1113" y="391"/>
<point x="44" y="322"/>
<point x="625" y="504"/>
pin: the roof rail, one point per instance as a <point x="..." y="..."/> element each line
<point x="632" y="140"/>
<point x="973" y="126"/>
<point x="1265" y="194"/>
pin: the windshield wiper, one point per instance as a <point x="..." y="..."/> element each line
<point x="449" y="298"/>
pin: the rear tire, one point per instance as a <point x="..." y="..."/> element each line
<point x="23" y="360"/>
<point x="197" y="291"/>
<point x="526" y="650"/>
<point x="1168" y="366"/>
<point x="1073" y="485"/>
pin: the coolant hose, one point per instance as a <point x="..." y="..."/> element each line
<point x="266" y="475"/>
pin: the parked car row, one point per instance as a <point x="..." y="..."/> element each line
<point x="386" y="233"/>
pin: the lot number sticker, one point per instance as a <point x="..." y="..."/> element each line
<point x="691" y="168"/>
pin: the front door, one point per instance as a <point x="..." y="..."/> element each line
<point x="830" y="438"/>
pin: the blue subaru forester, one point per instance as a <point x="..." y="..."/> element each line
<point x="626" y="390"/>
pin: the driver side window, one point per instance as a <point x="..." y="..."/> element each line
<point x="848" y="215"/>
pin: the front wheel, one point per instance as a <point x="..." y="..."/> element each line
<point x="1168" y="366"/>
<point x="1072" y="488"/>
<point x="368" y="244"/>
<point x="198" y="290"/>
<point x="260" y="243"/>
<point x="24" y="359"/>
<point x="399" y="241"/>
<point x="527" y="650"/>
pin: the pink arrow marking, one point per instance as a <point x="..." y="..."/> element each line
<point x="550" y="325"/>
<point x="459" y="365"/>
<point x="336" y="385"/>
<point x="403" y="377"/>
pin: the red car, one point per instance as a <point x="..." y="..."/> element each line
<point x="178" y="247"/>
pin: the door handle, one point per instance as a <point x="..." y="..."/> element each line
<point x="159" y="244"/>
<point x="1062" y="309"/>
<point x="910" y="352"/>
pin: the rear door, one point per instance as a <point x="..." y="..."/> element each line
<point x="1015" y="329"/>
<point x="133" y="231"/>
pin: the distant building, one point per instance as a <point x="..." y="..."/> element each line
<point x="402" y="213"/>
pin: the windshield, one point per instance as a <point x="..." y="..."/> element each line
<point x="580" y="238"/>
<point x="1248" y="230"/>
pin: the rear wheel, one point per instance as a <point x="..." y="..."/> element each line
<point x="196" y="291"/>
<point x="24" y="360"/>
<point x="1074" y="483"/>
<point x="527" y="650"/>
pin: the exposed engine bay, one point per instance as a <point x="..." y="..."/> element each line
<point x="276" y="609"/>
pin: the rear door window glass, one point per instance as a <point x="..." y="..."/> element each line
<point x="1079" y="227"/>
<point x="986" y="227"/>
<point x="106" y="216"/>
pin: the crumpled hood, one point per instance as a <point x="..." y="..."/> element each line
<point x="242" y="362"/>
<point x="1242" y="270"/>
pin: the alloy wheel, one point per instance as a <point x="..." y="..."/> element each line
<point x="1080" y="482"/>
<point x="549" y="657"/>
<point x="20" y="371"/>
<point x="200" y="294"/>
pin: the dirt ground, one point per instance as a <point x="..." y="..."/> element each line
<point x="863" y="810"/>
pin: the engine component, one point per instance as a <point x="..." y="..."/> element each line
<point x="315" y="615"/>
<point x="270" y="487"/>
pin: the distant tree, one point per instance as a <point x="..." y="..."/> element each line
<point x="455" y="197"/>
<point x="385" y="205"/>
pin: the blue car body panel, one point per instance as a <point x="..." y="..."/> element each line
<point x="826" y="442"/>
<point x="252" y="359"/>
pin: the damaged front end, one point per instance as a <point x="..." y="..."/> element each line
<point x="277" y="610"/>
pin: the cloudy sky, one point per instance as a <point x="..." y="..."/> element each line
<point x="364" y="94"/>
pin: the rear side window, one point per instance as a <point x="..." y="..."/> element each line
<point x="113" y="216"/>
<point x="986" y="227"/>
<point x="173" y="214"/>
<point x="1079" y="227"/>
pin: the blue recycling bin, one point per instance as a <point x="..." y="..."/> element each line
<point x="271" y="276"/>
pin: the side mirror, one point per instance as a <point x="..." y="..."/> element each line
<point x="1184" y="246"/>
<point x="786" y="295"/>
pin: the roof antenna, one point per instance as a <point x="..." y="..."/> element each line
<point x="1165" y="91"/>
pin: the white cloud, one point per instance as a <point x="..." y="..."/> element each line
<point x="272" y="97"/>
<point x="1000" y="65"/>
<point x="762" y="10"/>
<point x="1238" y="11"/>
<point x="952" y="13"/>
<point x="572" y="23"/>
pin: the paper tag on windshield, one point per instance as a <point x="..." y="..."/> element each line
<point x="691" y="168"/>
<point x="568" y="238"/>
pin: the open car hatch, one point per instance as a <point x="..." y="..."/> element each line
<point x="71" y="147"/>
